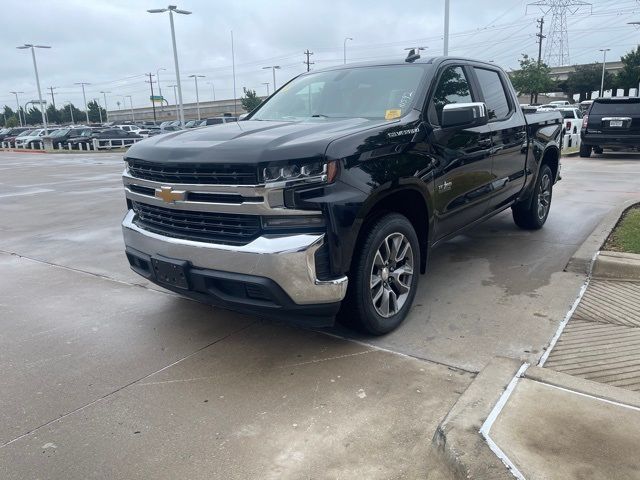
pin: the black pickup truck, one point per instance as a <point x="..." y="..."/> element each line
<point x="329" y="197"/>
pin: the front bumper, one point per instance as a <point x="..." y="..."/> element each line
<point x="282" y="266"/>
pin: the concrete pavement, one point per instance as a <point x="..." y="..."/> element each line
<point x="90" y="354"/>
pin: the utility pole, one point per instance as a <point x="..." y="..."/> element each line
<point x="106" y="109"/>
<point x="151" y="81"/>
<point x="99" y="109"/>
<point x="307" y="62"/>
<point x="540" y="36"/>
<point x="86" y="107"/>
<point x="53" y="100"/>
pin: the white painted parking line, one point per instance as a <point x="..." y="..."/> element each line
<point x="35" y="191"/>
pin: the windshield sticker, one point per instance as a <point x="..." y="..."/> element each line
<point x="391" y="114"/>
<point x="403" y="132"/>
<point x="406" y="99"/>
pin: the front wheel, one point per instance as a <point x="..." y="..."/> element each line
<point x="585" y="151"/>
<point x="384" y="277"/>
<point x="533" y="213"/>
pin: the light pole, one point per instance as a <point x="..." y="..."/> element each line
<point x="159" y="87"/>
<point x="175" y="96"/>
<point x="267" y="84"/>
<point x="195" y="77"/>
<point x="446" y="27"/>
<point x="106" y="109"/>
<point x="99" y="109"/>
<point x="213" y="90"/>
<point x="18" y="104"/>
<point x="344" y="48"/>
<point x="636" y="24"/>
<point x="133" y="117"/>
<point x="604" y="62"/>
<point x="70" y="111"/>
<point x="273" y="69"/>
<point x="35" y="68"/>
<point x="86" y="107"/>
<point x="173" y="9"/>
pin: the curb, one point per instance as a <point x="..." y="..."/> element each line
<point x="616" y="266"/>
<point x="581" y="260"/>
<point x="458" y="451"/>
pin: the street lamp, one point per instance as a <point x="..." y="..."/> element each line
<point x="604" y="62"/>
<point x="86" y="107"/>
<point x="18" y="104"/>
<point x="173" y="9"/>
<point x="175" y="96"/>
<point x="267" y="84"/>
<point x="99" y="109"/>
<point x="106" y="109"/>
<point x="273" y="68"/>
<point x="159" y="87"/>
<point x="70" y="112"/>
<point x="133" y="117"/>
<point x="344" y="48"/>
<point x="35" y="68"/>
<point x="213" y="90"/>
<point x="195" y="77"/>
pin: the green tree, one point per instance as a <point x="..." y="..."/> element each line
<point x="53" y="115"/>
<point x="532" y="78"/>
<point x="95" y="112"/>
<point x="11" y="122"/>
<point x="629" y="76"/>
<point x="250" y="101"/>
<point x="586" y="79"/>
<point x="33" y="116"/>
<point x="78" y="115"/>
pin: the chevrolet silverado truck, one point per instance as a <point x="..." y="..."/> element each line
<point x="329" y="197"/>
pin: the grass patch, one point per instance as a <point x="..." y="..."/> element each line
<point x="626" y="236"/>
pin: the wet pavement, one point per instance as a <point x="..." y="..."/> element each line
<point x="106" y="376"/>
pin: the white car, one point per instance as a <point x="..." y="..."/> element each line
<point x="31" y="139"/>
<point x="572" y="118"/>
<point x="561" y="103"/>
<point x="133" y="129"/>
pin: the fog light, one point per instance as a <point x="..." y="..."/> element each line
<point x="293" y="221"/>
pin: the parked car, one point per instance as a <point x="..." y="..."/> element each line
<point x="548" y="106"/>
<point x="561" y="103"/>
<point x="611" y="123"/>
<point x="351" y="187"/>
<point x="13" y="132"/>
<point x="192" y="124"/>
<point x="10" y="140"/>
<point x="133" y="129"/>
<point x="584" y="105"/>
<point x="572" y="118"/>
<point x="32" y="140"/>
<point x="153" y="131"/>
<point x="60" y="138"/>
<point x="218" y="121"/>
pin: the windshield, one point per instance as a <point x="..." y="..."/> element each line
<point x="25" y="133"/>
<point x="630" y="107"/>
<point x="567" y="113"/>
<point x="382" y="92"/>
<point x="60" y="133"/>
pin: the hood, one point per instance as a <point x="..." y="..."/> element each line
<point x="249" y="141"/>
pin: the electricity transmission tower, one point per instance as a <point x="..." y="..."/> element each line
<point x="556" y="52"/>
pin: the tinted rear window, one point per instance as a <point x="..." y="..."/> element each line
<point x="616" y="108"/>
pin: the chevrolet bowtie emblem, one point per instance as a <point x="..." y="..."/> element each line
<point x="169" y="195"/>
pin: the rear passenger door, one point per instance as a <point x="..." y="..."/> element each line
<point x="508" y="136"/>
<point x="462" y="155"/>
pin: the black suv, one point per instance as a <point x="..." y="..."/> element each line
<point x="611" y="123"/>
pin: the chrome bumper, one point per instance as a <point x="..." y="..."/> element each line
<point x="287" y="260"/>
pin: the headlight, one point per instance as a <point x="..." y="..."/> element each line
<point x="293" y="173"/>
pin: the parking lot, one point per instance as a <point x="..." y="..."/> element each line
<point x="106" y="376"/>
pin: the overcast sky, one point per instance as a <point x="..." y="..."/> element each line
<point x="113" y="43"/>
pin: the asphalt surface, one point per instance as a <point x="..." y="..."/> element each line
<point x="106" y="376"/>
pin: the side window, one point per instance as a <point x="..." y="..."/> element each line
<point x="453" y="87"/>
<point x="494" y="95"/>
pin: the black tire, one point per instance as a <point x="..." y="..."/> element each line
<point x="597" y="150"/>
<point x="361" y="310"/>
<point x="532" y="213"/>
<point x="585" y="151"/>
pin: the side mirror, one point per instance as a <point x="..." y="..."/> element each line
<point x="464" y="115"/>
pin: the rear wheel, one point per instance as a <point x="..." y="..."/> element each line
<point x="597" y="150"/>
<point x="384" y="277"/>
<point x="532" y="214"/>
<point x="585" y="151"/>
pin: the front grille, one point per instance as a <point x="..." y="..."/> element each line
<point x="194" y="173"/>
<point x="221" y="228"/>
